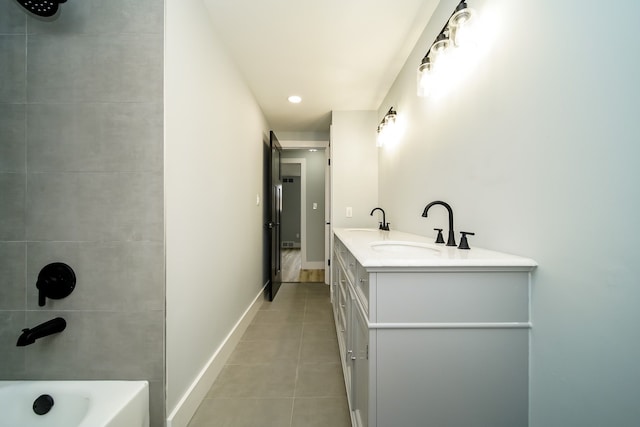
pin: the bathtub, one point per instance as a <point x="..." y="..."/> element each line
<point x="75" y="403"/>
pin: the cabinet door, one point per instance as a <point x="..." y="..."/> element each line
<point x="349" y="342"/>
<point x="362" y="286"/>
<point x="360" y="374"/>
<point x="340" y="309"/>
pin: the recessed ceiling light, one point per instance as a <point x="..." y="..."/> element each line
<point x="295" y="99"/>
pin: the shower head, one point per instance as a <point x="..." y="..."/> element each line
<point x="42" y="8"/>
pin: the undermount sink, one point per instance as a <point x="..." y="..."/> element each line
<point x="400" y="247"/>
<point x="351" y="230"/>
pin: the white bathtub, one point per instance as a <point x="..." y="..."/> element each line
<point x="76" y="403"/>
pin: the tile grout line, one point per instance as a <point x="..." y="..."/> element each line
<point x="295" y="385"/>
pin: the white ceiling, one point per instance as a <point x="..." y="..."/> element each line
<point x="335" y="54"/>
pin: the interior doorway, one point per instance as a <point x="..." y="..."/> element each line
<point x="303" y="215"/>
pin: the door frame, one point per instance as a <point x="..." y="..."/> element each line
<point x="328" y="194"/>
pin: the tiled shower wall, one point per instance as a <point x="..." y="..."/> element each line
<point x="81" y="182"/>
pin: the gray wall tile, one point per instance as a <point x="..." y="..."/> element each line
<point x="85" y="68"/>
<point x="104" y="17"/>
<point x="12" y="275"/>
<point x="12" y="357"/>
<point x="12" y="218"/>
<point x="98" y="345"/>
<point x="112" y="137"/>
<point x="12" y="19"/>
<point x="13" y="68"/>
<point x="156" y="403"/>
<point x="116" y="276"/>
<point x="12" y="133"/>
<point x="98" y="203"/>
<point x="95" y="206"/>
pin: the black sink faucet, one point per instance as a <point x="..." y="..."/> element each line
<point x="53" y="326"/>
<point x="451" y="241"/>
<point x="384" y="225"/>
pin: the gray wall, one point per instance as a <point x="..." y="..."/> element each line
<point x="81" y="171"/>
<point x="537" y="151"/>
<point x="214" y="226"/>
<point x="315" y="161"/>
<point x="354" y="169"/>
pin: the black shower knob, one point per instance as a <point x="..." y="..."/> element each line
<point x="56" y="281"/>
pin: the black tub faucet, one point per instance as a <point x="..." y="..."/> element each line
<point x="384" y="225"/>
<point x="451" y="241"/>
<point x="50" y="327"/>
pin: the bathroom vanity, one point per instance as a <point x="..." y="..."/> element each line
<point x="431" y="335"/>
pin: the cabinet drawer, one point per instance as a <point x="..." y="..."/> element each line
<point x="350" y="265"/>
<point x="348" y="260"/>
<point x="446" y="297"/>
<point x="340" y="251"/>
<point x="362" y="286"/>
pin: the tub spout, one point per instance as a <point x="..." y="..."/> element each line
<point x="53" y="326"/>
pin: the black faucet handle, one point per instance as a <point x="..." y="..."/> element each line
<point x="56" y="281"/>
<point x="464" y="244"/>
<point x="440" y="237"/>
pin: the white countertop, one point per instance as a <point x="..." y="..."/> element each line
<point x="377" y="248"/>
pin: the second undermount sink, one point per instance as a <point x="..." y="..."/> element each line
<point x="405" y="248"/>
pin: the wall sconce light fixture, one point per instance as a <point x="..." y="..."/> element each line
<point x="458" y="32"/>
<point x="387" y="129"/>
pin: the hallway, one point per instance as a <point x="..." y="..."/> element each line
<point x="286" y="371"/>
<point x="292" y="272"/>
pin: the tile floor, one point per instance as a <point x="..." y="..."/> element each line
<point x="286" y="371"/>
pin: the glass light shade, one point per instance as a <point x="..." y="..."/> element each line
<point x="439" y="51"/>
<point x="380" y="136"/>
<point x="463" y="24"/>
<point x="390" y="119"/>
<point x="440" y="47"/>
<point x="389" y="131"/>
<point x="424" y="77"/>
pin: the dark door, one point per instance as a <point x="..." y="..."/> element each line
<point x="273" y="223"/>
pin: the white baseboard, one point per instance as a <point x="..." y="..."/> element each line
<point x="196" y="393"/>
<point x="313" y="265"/>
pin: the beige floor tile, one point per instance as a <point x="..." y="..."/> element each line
<point x="322" y="314"/>
<point x="285" y="371"/>
<point x="320" y="380"/>
<point x="273" y="331"/>
<point x="319" y="351"/>
<point x="291" y="289"/>
<point x="293" y="302"/>
<point x="279" y="316"/>
<point x="319" y="288"/>
<point x="264" y="351"/>
<point x="319" y="331"/>
<point x="320" y="412"/>
<point x="270" y="380"/>
<point x="243" y="413"/>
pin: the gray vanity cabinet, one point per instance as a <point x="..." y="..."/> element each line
<point x="432" y="345"/>
<point x="360" y="369"/>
